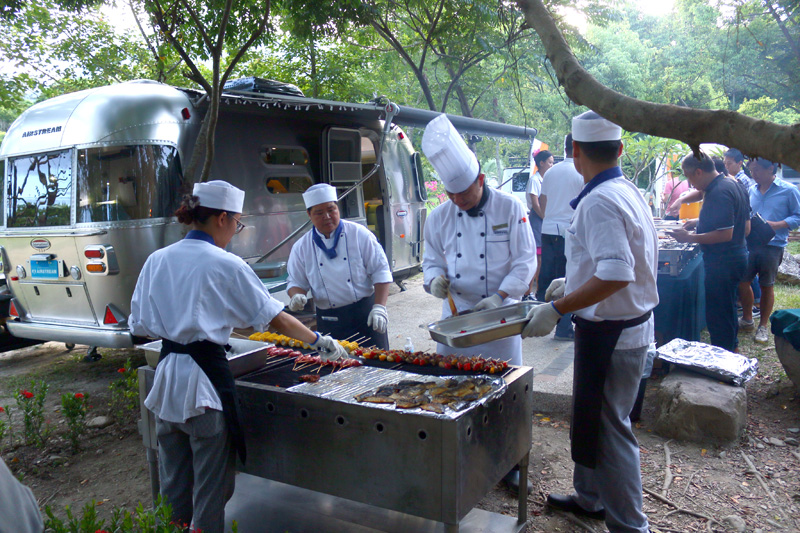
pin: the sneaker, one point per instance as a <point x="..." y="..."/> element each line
<point x="746" y="325"/>
<point x="756" y="312"/>
<point x="762" y="335"/>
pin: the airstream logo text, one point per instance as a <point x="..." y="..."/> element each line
<point x="42" y="131"/>
<point x="40" y="244"/>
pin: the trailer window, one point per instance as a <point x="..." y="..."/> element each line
<point x="519" y="182"/>
<point x="120" y="183"/>
<point x="287" y="169"/>
<point x="38" y="190"/>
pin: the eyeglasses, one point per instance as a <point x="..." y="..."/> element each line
<point x="239" y="227"/>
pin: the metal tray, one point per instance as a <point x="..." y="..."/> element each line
<point x="482" y="326"/>
<point x="244" y="356"/>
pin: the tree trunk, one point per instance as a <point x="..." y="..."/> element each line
<point x="692" y="126"/>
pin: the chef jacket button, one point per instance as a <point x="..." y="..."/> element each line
<point x="483" y="277"/>
<point x="458" y="293"/>
<point x="483" y="296"/>
<point x="458" y="255"/>
<point x="481" y="256"/>
<point x="483" y="234"/>
<point x="481" y="213"/>
<point x="348" y="281"/>
<point x="344" y="258"/>
<point x="458" y="234"/>
<point x="459" y="214"/>
<point x="320" y="264"/>
<point x="458" y="276"/>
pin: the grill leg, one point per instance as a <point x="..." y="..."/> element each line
<point x="522" y="509"/>
<point x="152" y="459"/>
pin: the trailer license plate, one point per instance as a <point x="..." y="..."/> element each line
<point x="45" y="269"/>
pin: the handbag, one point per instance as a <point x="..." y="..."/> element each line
<point x="760" y="232"/>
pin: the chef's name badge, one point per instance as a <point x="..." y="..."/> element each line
<point x="500" y="229"/>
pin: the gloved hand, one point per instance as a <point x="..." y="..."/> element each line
<point x="492" y="302"/>
<point x="555" y="290"/>
<point x="378" y="318"/>
<point x="298" y="302"/>
<point x="541" y="321"/>
<point x="329" y="348"/>
<point x="439" y="286"/>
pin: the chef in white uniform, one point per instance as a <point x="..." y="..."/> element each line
<point x="478" y="246"/>
<point x="346" y="270"/>
<point x="192" y="294"/>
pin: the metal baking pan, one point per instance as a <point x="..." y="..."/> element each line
<point x="243" y="357"/>
<point x="481" y="326"/>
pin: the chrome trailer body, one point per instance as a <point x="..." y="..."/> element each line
<point x="417" y="469"/>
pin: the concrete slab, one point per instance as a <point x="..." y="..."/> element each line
<point x="411" y="311"/>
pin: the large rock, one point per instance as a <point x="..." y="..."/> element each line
<point x="789" y="270"/>
<point x="697" y="408"/>
<point x="790" y="359"/>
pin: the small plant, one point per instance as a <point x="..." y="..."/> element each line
<point x="31" y="404"/>
<point x="73" y="407"/>
<point x="3" y="426"/>
<point x="125" y="393"/>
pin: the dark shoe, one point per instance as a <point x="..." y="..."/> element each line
<point x="512" y="480"/>
<point x="569" y="338"/>
<point x="567" y="504"/>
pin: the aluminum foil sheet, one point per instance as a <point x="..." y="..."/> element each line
<point x="344" y="385"/>
<point x="709" y="360"/>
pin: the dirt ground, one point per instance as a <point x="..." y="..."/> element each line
<point x="712" y="488"/>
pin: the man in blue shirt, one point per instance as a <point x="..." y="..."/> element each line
<point x="778" y="202"/>
<point x="734" y="161"/>
<point x="720" y="231"/>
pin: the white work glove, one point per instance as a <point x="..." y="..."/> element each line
<point x="378" y="318"/>
<point x="492" y="302"/>
<point x="298" y="302"/>
<point x="329" y="348"/>
<point x="439" y="286"/>
<point x="541" y="321"/>
<point x="555" y="290"/>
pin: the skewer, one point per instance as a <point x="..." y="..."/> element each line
<point x="350" y="337"/>
<point x="320" y="368"/>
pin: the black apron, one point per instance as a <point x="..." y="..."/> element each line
<point x="594" y="344"/>
<point x="211" y="359"/>
<point x="350" y="322"/>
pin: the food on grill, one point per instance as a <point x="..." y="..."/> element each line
<point x="309" y="378"/>
<point x="317" y="360"/>
<point x="429" y="395"/>
<point x="283" y="340"/>
<point x="466" y="363"/>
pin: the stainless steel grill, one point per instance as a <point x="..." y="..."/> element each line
<point x="673" y="256"/>
<point x="436" y="468"/>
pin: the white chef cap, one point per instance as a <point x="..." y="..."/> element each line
<point x="218" y="194"/>
<point x="319" y="194"/>
<point x="590" y="127"/>
<point x="450" y="156"/>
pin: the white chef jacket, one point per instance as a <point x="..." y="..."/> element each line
<point x="561" y="184"/>
<point x="533" y="187"/>
<point x="359" y="264"/>
<point x="481" y="255"/>
<point x="192" y="291"/>
<point x="612" y="237"/>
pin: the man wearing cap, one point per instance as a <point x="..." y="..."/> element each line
<point x="611" y="251"/>
<point x="192" y="294"/>
<point x="346" y="270"/>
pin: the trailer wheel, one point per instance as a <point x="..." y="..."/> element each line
<point x="70" y="347"/>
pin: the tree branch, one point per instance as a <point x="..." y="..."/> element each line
<point x="692" y="126"/>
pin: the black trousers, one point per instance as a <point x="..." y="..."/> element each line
<point x="723" y="275"/>
<point x="554" y="263"/>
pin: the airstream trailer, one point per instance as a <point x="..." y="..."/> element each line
<point x="92" y="179"/>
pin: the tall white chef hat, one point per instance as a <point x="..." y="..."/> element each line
<point x="218" y="194"/>
<point x="590" y="127"/>
<point x="319" y="194"/>
<point x="450" y="156"/>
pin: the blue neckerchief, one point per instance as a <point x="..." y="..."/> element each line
<point x="330" y="252"/>
<point x="607" y="174"/>
<point x="200" y="236"/>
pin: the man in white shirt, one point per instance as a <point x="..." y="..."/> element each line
<point x="612" y="249"/>
<point x="544" y="162"/>
<point x="561" y="184"/>
<point x="346" y="270"/>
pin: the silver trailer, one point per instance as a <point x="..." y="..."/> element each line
<point x="92" y="179"/>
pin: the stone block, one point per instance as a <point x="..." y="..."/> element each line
<point x="693" y="407"/>
<point x="790" y="359"/>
